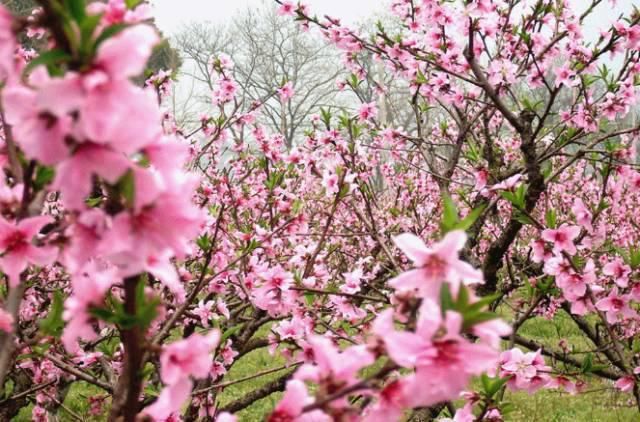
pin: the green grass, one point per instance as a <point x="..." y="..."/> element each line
<point x="600" y="403"/>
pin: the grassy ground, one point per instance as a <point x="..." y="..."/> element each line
<point x="601" y="403"/>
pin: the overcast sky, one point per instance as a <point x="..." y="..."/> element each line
<point x="172" y="14"/>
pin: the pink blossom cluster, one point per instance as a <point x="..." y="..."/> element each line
<point x="372" y="256"/>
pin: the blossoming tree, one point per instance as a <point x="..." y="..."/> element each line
<point x="148" y="260"/>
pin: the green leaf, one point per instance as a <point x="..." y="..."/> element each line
<point x="76" y="9"/>
<point x="93" y="202"/>
<point x="523" y="218"/>
<point x="344" y="191"/>
<point x="229" y="332"/>
<point x="103" y="314"/>
<point x="309" y="298"/>
<point x="550" y="217"/>
<point x="109" y="32"/>
<point x="131" y="4"/>
<point x="44" y="176"/>
<point x="520" y="194"/>
<point x="325" y="116"/>
<point x="486" y="382"/>
<point x="204" y="242"/>
<point x="420" y="78"/>
<point x="48" y="58"/>
<point x="53" y="324"/>
<point x="471" y="218"/>
<point x="127" y="188"/>
<point x="473" y="318"/>
<point x="634" y="257"/>
<point x="446" y="300"/>
<point x="492" y="385"/>
<point x="449" y="214"/>
<point x="509" y="196"/>
<point x="463" y="297"/>
<point x="87" y="29"/>
<point x="483" y="302"/>
<point x="146" y="309"/>
<point x="587" y="363"/>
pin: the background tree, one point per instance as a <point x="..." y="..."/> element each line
<point x="268" y="51"/>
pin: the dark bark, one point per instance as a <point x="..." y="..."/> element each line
<point x="496" y="252"/>
<point x="126" y="398"/>
<point x="257" y="394"/>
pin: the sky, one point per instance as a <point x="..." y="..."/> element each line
<point x="172" y="14"/>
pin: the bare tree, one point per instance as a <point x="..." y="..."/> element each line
<point x="268" y="50"/>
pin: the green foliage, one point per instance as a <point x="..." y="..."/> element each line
<point x="551" y="218"/>
<point x="127" y="188"/>
<point x="51" y="59"/>
<point x="492" y="385"/>
<point x="517" y="197"/>
<point x="114" y="312"/>
<point x="53" y="324"/>
<point x="204" y="243"/>
<point x="472" y="313"/>
<point x="451" y="220"/>
<point x="44" y="176"/>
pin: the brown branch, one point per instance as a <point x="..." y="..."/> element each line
<point x="7" y="345"/>
<point x="79" y="374"/>
<point x="257" y="394"/>
<point x="126" y="396"/>
<point x="247" y="378"/>
<point x="532" y="345"/>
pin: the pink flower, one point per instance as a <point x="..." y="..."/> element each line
<point x="564" y="75"/>
<point x="118" y="114"/>
<point x="625" y="384"/>
<point x="616" y="307"/>
<point x="6" y="321"/>
<point x="39" y="133"/>
<point x="186" y="358"/>
<point x="17" y="248"/>
<point x="507" y="184"/>
<point x="226" y="417"/>
<point x="540" y="251"/>
<point x="492" y="332"/>
<point x="170" y="400"/>
<point x="392" y="402"/>
<point x="73" y="177"/>
<point x="482" y="176"/>
<point x="90" y="285"/>
<point x="574" y="285"/>
<point x="204" y="312"/>
<point x="290" y="407"/>
<point x="145" y="239"/>
<point x="562" y="238"/>
<point x="434" y="265"/>
<point x="528" y="371"/>
<point x="619" y="271"/>
<point x="583" y="215"/>
<point x="332" y="365"/>
<point x="287" y="8"/>
<point x="7" y="44"/>
<point x="274" y="295"/>
<point x="330" y="182"/>
<point x="352" y="281"/>
<point x="563" y="382"/>
<point x="125" y="55"/>
<point x="367" y="111"/>
<point x="444" y="360"/>
<point x="286" y="91"/>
